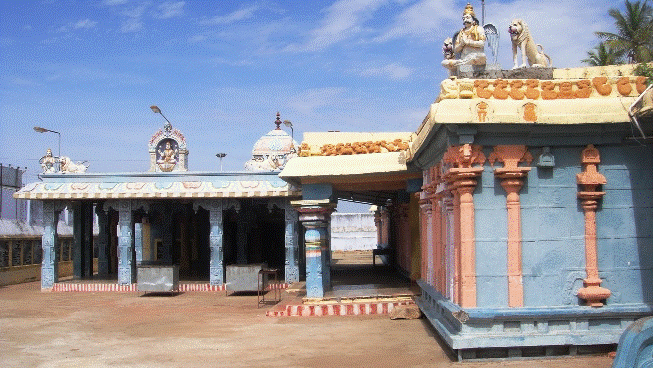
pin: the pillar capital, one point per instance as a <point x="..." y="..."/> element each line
<point x="314" y="210"/>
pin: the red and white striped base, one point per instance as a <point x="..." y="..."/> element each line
<point x="353" y="309"/>
<point x="99" y="287"/>
<point x="64" y="286"/>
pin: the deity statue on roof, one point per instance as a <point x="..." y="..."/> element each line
<point x="48" y="162"/>
<point x="468" y="43"/>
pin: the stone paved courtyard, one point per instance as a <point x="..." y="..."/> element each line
<point x="204" y="329"/>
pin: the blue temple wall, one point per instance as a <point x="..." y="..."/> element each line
<point x="491" y="224"/>
<point x="553" y="225"/>
<point x="625" y="224"/>
<point x="553" y="231"/>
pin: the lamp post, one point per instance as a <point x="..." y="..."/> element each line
<point x="157" y="110"/>
<point x="43" y="130"/>
<point x="292" y="133"/>
<point x="220" y="155"/>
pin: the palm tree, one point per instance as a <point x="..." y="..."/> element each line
<point x="634" y="36"/>
<point x="603" y="55"/>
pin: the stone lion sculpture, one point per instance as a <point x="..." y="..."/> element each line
<point x="521" y="38"/>
<point x="68" y="166"/>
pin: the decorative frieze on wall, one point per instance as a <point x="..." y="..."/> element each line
<point x="353" y="148"/>
<point x="534" y="89"/>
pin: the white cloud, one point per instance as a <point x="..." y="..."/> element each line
<point x="85" y="24"/>
<point x="131" y="25"/>
<point x="236" y="16"/>
<point x="344" y="19"/>
<point x="422" y="19"/>
<point x="197" y="38"/>
<point x="170" y="10"/>
<point x="393" y="71"/>
<point x="114" y="2"/>
<point x="310" y="100"/>
<point x="23" y="82"/>
<point x="81" y="24"/>
<point x="135" y="12"/>
<point x="6" y="41"/>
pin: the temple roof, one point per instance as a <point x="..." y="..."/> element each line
<point x="350" y="171"/>
<point x="575" y="96"/>
<point x="158" y="185"/>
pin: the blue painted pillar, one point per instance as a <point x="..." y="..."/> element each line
<point x="126" y="266"/>
<point x="292" y="246"/>
<point x="82" y="240"/>
<point x="241" y="242"/>
<point x="315" y="216"/>
<point x="78" y="241"/>
<point x="50" y="245"/>
<point x="103" y="241"/>
<point x="168" y="236"/>
<point x="215" y="208"/>
<point x="88" y="238"/>
<point x="138" y="242"/>
<point x="216" y="269"/>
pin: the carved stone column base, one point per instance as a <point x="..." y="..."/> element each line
<point x="593" y="294"/>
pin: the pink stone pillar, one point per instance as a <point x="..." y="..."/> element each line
<point x="461" y="177"/>
<point x="467" y="247"/>
<point x="424" y="238"/>
<point x="590" y="180"/>
<point x="512" y="179"/>
<point x="437" y="269"/>
<point x="464" y="183"/>
<point x="448" y="241"/>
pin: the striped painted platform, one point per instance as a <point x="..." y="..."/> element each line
<point x="349" y="309"/>
<point x="102" y="287"/>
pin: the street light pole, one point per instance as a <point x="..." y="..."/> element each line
<point x="220" y="155"/>
<point x="292" y="133"/>
<point x="43" y="130"/>
<point x="157" y="110"/>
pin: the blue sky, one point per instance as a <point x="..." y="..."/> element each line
<point x="220" y="70"/>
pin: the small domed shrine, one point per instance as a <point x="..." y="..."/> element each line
<point x="272" y="151"/>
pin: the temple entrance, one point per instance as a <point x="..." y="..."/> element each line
<point x="255" y="234"/>
<point x="356" y="235"/>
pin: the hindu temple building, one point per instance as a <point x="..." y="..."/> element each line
<point x="200" y="221"/>
<point x="521" y="205"/>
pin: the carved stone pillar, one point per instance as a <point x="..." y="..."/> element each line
<point x="512" y="179"/>
<point x="461" y="177"/>
<point x="103" y="241"/>
<point x="291" y="238"/>
<point x="50" y="245"/>
<point x="168" y="234"/>
<point x="378" y="224"/>
<point x="88" y="238"/>
<point x="437" y="230"/>
<point x="82" y="240"/>
<point x="138" y="242"/>
<point x="292" y="246"/>
<point x="215" y="208"/>
<point x="590" y="180"/>
<point x="315" y="216"/>
<point x="126" y="264"/>
<point x="437" y="246"/>
<point x="424" y="237"/>
<point x="79" y="248"/>
<point x="448" y="239"/>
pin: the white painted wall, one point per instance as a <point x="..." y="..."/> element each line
<point x="353" y="231"/>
